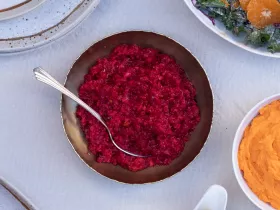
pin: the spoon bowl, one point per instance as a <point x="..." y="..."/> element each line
<point x="215" y="198"/>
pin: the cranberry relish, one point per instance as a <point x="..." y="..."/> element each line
<point x="146" y="101"/>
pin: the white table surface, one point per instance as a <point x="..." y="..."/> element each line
<point x="36" y="157"/>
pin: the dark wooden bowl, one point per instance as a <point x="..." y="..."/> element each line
<point x="194" y="72"/>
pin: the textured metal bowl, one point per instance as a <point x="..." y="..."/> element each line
<point x="194" y="72"/>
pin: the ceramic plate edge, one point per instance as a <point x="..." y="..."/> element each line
<point x="20" y="10"/>
<point x="22" y="198"/>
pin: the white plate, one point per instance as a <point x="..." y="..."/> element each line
<point x="237" y="139"/>
<point x="51" y="20"/>
<point x="13" y="8"/>
<point x="219" y="29"/>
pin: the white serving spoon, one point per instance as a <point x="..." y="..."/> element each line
<point x="215" y="198"/>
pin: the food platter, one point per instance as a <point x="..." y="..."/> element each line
<point x="13" y="8"/>
<point x="43" y="24"/>
<point x="220" y="30"/>
<point x="19" y="35"/>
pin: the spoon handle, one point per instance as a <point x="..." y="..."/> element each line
<point x="42" y="76"/>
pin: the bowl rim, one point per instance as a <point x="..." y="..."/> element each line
<point x="213" y="28"/>
<point x="237" y="139"/>
<point x="62" y="99"/>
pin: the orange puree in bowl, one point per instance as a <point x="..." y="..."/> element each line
<point x="259" y="154"/>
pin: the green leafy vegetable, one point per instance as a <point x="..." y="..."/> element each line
<point x="274" y="45"/>
<point x="235" y="20"/>
<point x="212" y="3"/>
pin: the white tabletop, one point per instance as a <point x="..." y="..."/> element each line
<point x="36" y="157"/>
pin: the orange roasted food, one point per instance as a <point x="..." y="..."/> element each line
<point x="244" y="4"/>
<point x="225" y="2"/>
<point x="259" y="154"/>
<point x="262" y="13"/>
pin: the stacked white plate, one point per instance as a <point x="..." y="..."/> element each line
<point x="14" y="8"/>
<point x="26" y="24"/>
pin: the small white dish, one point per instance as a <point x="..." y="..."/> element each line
<point x="215" y="198"/>
<point x="14" y="8"/>
<point x="238" y="138"/>
<point x="220" y="30"/>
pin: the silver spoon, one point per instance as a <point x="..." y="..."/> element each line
<point x="44" y="77"/>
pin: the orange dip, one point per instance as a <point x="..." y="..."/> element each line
<point x="259" y="154"/>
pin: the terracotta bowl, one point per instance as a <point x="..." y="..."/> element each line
<point x="194" y="72"/>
